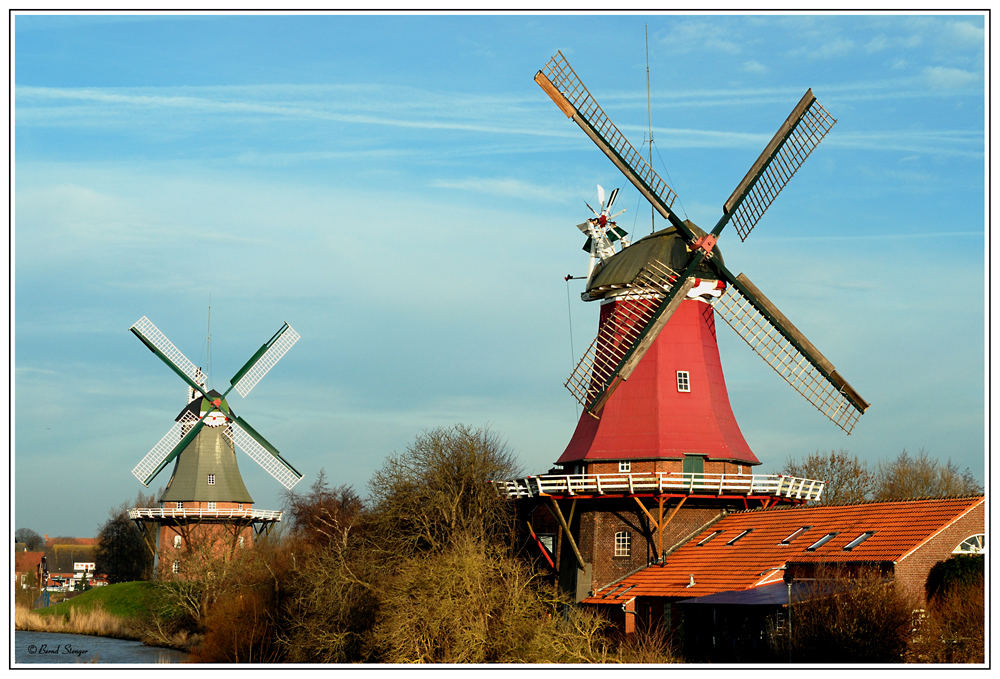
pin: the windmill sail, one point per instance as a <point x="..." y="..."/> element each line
<point x="158" y="343"/>
<point x="782" y="346"/>
<point x="266" y="357"/>
<point x="167" y="448"/>
<point x="263" y="453"/>
<point x="652" y="297"/>
<point x="801" y="132"/>
<point x="561" y="83"/>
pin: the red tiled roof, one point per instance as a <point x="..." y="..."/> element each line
<point x="717" y="566"/>
<point x="27" y="562"/>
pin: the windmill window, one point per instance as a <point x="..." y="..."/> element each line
<point x="738" y="537"/>
<point x="176" y="567"/>
<point x="211" y="479"/>
<point x="822" y="541"/>
<point x="858" y="540"/>
<point x="241" y="542"/>
<point x="623" y="543"/>
<point x="624" y="466"/>
<point x="177" y="542"/>
<point x="240" y="506"/>
<point x="180" y="505"/>
<point x="683" y="381"/>
<point x="794" y="535"/>
<point x="211" y="506"/>
<point x="709" y="537"/>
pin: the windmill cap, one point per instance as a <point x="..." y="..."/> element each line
<point x="202" y="405"/>
<point x="665" y="245"/>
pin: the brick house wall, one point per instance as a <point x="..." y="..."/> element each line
<point x="911" y="571"/>
<point x="595" y="525"/>
<point x="667" y="466"/>
<point x="220" y="536"/>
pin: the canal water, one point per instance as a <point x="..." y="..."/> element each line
<point x="33" y="648"/>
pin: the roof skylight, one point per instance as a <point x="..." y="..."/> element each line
<point x="822" y="541"/>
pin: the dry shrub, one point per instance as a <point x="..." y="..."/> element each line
<point x="473" y="604"/>
<point x="952" y="630"/>
<point x="241" y="625"/>
<point x="860" y="618"/>
<point x="653" y="645"/>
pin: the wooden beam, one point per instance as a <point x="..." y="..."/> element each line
<point x="679" y="505"/>
<point x="659" y="531"/>
<point x="645" y="511"/>
<point x="568" y="533"/>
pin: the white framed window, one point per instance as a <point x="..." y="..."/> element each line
<point x="683" y="381"/>
<point x="741" y="535"/>
<point x="211" y="505"/>
<point x="623" y="543"/>
<point x="239" y="506"/>
<point x="974" y="544"/>
<point x="822" y="541"/>
<point x="709" y="537"/>
<point x="180" y="505"/>
<point x="175" y="567"/>
<point x="177" y="542"/>
<point x="858" y="540"/>
<point x="211" y="479"/>
<point x="795" y="534"/>
<point x="241" y="542"/>
<point x="624" y="466"/>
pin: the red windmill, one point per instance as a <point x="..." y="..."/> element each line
<point x="657" y="424"/>
<point x="651" y="382"/>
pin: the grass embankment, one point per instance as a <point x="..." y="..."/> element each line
<point x="122" y="611"/>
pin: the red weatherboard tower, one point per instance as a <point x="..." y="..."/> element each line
<point x="657" y="454"/>
<point x="674" y="408"/>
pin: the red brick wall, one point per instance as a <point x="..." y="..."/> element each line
<point x="603" y="519"/>
<point x="912" y="571"/>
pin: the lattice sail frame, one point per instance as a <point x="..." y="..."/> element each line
<point x="283" y="340"/>
<point x="602" y="361"/>
<point x="151" y="333"/>
<point x="798" y="136"/>
<point x="269" y="462"/>
<point x="564" y="78"/>
<point x="777" y="351"/>
<point x="155" y="457"/>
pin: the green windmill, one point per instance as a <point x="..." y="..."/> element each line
<point x="206" y="433"/>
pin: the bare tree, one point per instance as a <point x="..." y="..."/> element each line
<point x="922" y="476"/>
<point x="847" y="478"/>
<point x="324" y="515"/>
<point x="441" y="487"/>
<point x="32" y="540"/>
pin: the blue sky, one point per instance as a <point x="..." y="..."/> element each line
<point x="401" y="192"/>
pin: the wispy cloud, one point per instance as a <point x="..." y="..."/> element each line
<point x="946" y="78"/>
<point x="506" y="187"/>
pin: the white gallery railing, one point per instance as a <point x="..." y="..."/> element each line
<point x="173" y="513"/>
<point x="775" y="485"/>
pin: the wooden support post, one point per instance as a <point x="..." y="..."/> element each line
<point x="659" y="530"/>
<point x="568" y="533"/>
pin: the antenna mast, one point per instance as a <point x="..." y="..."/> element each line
<point x="649" y="113"/>
<point x="208" y="341"/>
